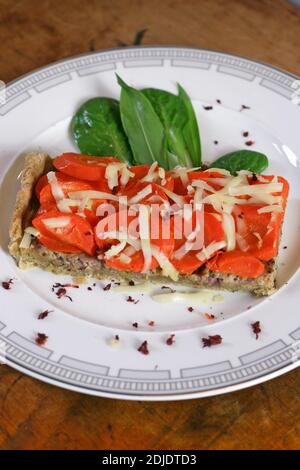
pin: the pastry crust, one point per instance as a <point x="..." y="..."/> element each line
<point x="36" y="164"/>
<point x="83" y="266"/>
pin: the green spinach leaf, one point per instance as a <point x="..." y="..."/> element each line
<point x="242" y="160"/>
<point x="173" y="116"/>
<point x="143" y="127"/>
<point x="97" y="129"/>
<point x="191" y="129"/>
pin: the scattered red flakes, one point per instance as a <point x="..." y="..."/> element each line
<point x="62" y="292"/>
<point x="246" y="134"/>
<point x="58" y="284"/>
<point x="208" y="108"/>
<point x="135" y="325"/>
<point x="144" y="348"/>
<point x="249" y="143"/>
<point x="151" y="323"/>
<point x="7" y="284"/>
<point x="131" y="283"/>
<point x="170" y="340"/>
<point x="243" y="107"/>
<point x="209" y="316"/>
<point x="256" y="328"/>
<point x="44" y="314"/>
<point x="132" y="300"/>
<point x="41" y="339"/>
<point x="107" y="287"/>
<point x="190" y="309"/>
<point x="212" y="341"/>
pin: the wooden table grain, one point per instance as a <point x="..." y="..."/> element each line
<point x="34" y="415"/>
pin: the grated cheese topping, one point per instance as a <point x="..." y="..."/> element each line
<point x="224" y="192"/>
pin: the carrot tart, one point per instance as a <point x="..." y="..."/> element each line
<point x="95" y="217"/>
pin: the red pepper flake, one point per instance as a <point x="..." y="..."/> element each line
<point x="208" y="108"/>
<point x="170" y="340"/>
<point x="249" y="143"/>
<point x="144" y="348"/>
<point x="131" y="283"/>
<point x="44" y="314"/>
<point x="7" y="284"/>
<point x="58" y="284"/>
<point x="135" y="325"/>
<point x="219" y="101"/>
<point x="107" y="287"/>
<point x="209" y="316"/>
<point x="132" y="300"/>
<point x="212" y="341"/>
<point x="41" y="339"/>
<point x="62" y="292"/>
<point x="190" y="309"/>
<point x="243" y="107"/>
<point x="151" y="323"/>
<point x="256" y="328"/>
<point x="245" y="134"/>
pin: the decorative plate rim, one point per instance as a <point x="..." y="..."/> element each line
<point x="260" y="377"/>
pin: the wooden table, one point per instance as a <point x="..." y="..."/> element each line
<point x="34" y="415"/>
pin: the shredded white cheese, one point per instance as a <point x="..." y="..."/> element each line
<point x="115" y="250"/>
<point x="210" y="250"/>
<point x="56" y="189"/>
<point x="141" y="194"/>
<point x="56" y="222"/>
<point x="144" y="225"/>
<point x="166" y="266"/>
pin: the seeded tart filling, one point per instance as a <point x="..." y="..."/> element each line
<point x="84" y="265"/>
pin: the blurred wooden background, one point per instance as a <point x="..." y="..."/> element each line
<point x="34" y="415"/>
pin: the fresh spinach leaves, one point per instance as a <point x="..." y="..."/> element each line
<point x="143" y="127"/>
<point x="191" y="131"/>
<point x="151" y="125"/>
<point x="242" y="160"/>
<point x="171" y="112"/>
<point x="97" y="129"/>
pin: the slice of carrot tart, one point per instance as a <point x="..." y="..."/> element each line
<point x="95" y="217"/>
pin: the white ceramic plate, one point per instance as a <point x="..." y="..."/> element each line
<point x="78" y="354"/>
